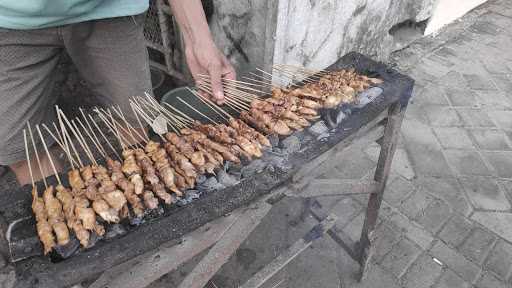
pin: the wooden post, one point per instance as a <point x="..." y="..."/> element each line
<point x="395" y="116"/>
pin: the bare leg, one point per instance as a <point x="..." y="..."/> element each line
<point x="20" y="168"/>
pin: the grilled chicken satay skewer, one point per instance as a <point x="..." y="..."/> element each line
<point x="137" y="162"/>
<point x="68" y="201"/>
<point x="102" y="204"/>
<point x="158" y="156"/>
<point x="186" y="172"/>
<point x="52" y="204"/>
<point x="44" y="229"/>
<point x="83" y="211"/>
<point x="117" y="174"/>
<point x="233" y="123"/>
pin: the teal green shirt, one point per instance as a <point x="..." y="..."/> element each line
<point x="34" y="14"/>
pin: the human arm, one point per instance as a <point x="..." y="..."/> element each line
<point x="202" y="55"/>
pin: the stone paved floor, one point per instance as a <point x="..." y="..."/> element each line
<point x="446" y="220"/>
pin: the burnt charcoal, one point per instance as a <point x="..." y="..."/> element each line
<point x="318" y="128"/>
<point x="136" y="221"/>
<point x="192" y="194"/>
<point x="233" y="168"/>
<point x="340" y="117"/>
<point x="323" y="136"/>
<point x="61" y="252"/>
<point x="299" y="134"/>
<point x="277" y="151"/>
<point x="211" y="184"/>
<point x="94" y="238"/>
<point x="183" y="202"/>
<point x="256" y="166"/>
<point x="278" y="160"/>
<point x="226" y="179"/>
<point x="290" y="144"/>
<point x="201" y="178"/>
<point x="368" y="96"/>
<point x="273" y="139"/>
<point x="114" y="231"/>
<point x="307" y="138"/>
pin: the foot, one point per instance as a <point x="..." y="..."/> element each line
<point x="21" y="170"/>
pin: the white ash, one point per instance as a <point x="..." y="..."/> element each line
<point x="276" y="159"/>
<point x="307" y="138"/>
<point x="256" y="166"/>
<point x="323" y="136"/>
<point x="114" y="230"/>
<point x="226" y="179"/>
<point x="318" y="128"/>
<point x="136" y="221"/>
<point x="368" y="96"/>
<point x="211" y="184"/>
<point x="190" y="195"/>
<point x="290" y="144"/>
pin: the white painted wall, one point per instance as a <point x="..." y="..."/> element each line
<point x="447" y="11"/>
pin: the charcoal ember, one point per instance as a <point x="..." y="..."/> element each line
<point x="299" y="134"/>
<point x="182" y="202"/>
<point x="291" y="144"/>
<point x="114" y="231"/>
<point x="278" y="160"/>
<point x="211" y="184"/>
<point x="226" y="179"/>
<point x="192" y="194"/>
<point x="93" y="239"/>
<point x="340" y="117"/>
<point x="256" y="166"/>
<point x="61" y="252"/>
<point x="3" y="261"/>
<point x="201" y="178"/>
<point x="318" y="128"/>
<point x="307" y="138"/>
<point x="136" y="221"/>
<point x="322" y="136"/>
<point x="273" y="139"/>
<point x="368" y="96"/>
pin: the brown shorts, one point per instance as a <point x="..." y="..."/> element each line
<point x="110" y="55"/>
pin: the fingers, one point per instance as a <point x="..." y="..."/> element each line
<point x="215" y="71"/>
<point x="228" y="70"/>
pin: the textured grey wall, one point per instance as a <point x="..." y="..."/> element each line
<point x="312" y="33"/>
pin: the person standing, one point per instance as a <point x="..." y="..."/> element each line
<point x="104" y="39"/>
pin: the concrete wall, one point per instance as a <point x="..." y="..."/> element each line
<point x="316" y="33"/>
<point x="244" y="30"/>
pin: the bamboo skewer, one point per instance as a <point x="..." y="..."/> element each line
<point x="225" y="116"/>
<point x="197" y="111"/>
<point x="59" y="142"/>
<point x="41" y="170"/>
<point x="105" y="138"/>
<point x="49" y="155"/>
<point x="100" y="148"/>
<point x="27" y="154"/>
<point x="97" y="141"/>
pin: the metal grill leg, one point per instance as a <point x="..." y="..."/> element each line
<point x="395" y="116"/>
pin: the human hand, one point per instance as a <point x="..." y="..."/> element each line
<point x="205" y="58"/>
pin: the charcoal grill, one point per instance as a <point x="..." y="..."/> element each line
<point x="39" y="271"/>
